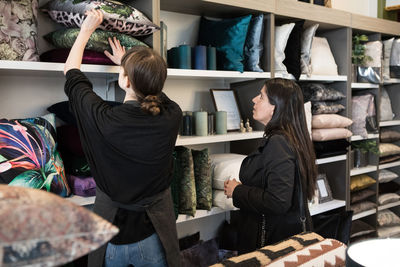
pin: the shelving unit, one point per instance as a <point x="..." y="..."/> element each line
<point x="43" y="82"/>
<point x="364" y="214"/>
<point x="389" y="205"/>
<point x="359" y="137"/>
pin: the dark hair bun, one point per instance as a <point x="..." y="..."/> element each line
<point x="151" y="104"/>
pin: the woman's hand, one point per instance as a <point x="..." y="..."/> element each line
<point x="229" y="187"/>
<point x="118" y="51"/>
<point x="93" y="20"/>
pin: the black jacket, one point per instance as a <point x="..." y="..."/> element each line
<point x="269" y="193"/>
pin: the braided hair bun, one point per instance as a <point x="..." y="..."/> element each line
<point x="151" y="104"/>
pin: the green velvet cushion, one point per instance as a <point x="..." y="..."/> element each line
<point x="98" y="41"/>
<point x="228" y="36"/>
<point x="202" y="176"/>
<point x="175" y="186"/>
<point x="184" y="173"/>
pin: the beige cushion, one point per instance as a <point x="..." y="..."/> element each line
<point x="322" y="121"/>
<point x="388" y="198"/>
<point x="387" y="46"/>
<point x="374" y="51"/>
<point x="38" y="227"/>
<point x="330" y="134"/>
<point x="387" y="176"/>
<point x="386" y="149"/>
<point x="389" y="231"/>
<point x="225" y="166"/>
<point x="220" y="200"/>
<point x="322" y="60"/>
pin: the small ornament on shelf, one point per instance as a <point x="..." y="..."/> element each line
<point x="248" y="127"/>
<point x="242" y="129"/>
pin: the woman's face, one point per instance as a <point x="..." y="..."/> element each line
<point x="262" y="109"/>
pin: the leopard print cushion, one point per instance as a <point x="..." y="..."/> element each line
<point x="118" y="17"/>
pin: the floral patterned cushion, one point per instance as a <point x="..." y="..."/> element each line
<point x="42" y="229"/>
<point x="98" y="41"/>
<point x="18" y="30"/>
<point x="202" y="176"/>
<point x="118" y="17"/>
<point x="28" y="155"/>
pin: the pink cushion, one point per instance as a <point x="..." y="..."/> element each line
<point x="330" y="134"/>
<point x="323" y="121"/>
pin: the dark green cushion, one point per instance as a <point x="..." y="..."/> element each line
<point x="184" y="173"/>
<point x="228" y="36"/>
<point x="202" y="176"/>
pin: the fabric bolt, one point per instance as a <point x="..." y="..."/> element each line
<point x="282" y="34"/>
<point x="228" y="36"/>
<point x="322" y="59"/>
<point x="118" y="16"/>
<point x="293" y="50"/>
<point x="18" y="30"/>
<point x="29" y="157"/>
<point x="202" y="177"/>
<point x="113" y="173"/>
<point x="98" y="41"/>
<point x="89" y="57"/>
<point x="385" y="106"/>
<point x="306" y="45"/>
<point x="63" y="228"/>
<point x="253" y="47"/>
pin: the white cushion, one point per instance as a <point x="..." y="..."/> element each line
<point x="220" y="200"/>
<point x="225" y="166"/>
<point x="322" y="60"/>
<point x="306" y="44"/>
<point x="387" y="176"/>
<point x="374" y="51"/>
<point x="282" y="34"/>
<point x="387" y="46"/>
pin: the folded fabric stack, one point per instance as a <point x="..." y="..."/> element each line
<point x="121" y="20"/>
<point x="224" y="167"/>
<point x="389" y="152"/>
<point x="326" y="125"/>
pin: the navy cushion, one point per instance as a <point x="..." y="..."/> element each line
<point x="254" y="44"/>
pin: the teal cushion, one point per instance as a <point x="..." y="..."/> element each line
<point x="228" y="36"/>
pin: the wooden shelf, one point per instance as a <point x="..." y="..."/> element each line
<point x="320" y="78"/>
<point x="81" y="201"/>
<point x="359" y="137"/>
<point x="388" y="206"/>
<point x="362" y="170"/>
<point x="363" y="214"/>
<point x="391" y="81"/>
<point x="366" y="23"/>
<point x="389" y="123"/>
<point x="216" y="74"/>
<point x="234" y="136"/>
<point x="389" y="165"/>
<point x="201" y="214"/>
<point x="323" y="207"/>
<point x="330" y="159"/>
<point x="364" y="85"/>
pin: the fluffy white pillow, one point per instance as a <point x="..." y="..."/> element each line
<point x="330" y="134"/>
<point x="220" y="200"/>
<point x="306" y="43"/>
<point x="322" y="60"/>
<point x="387" y="46"/>
<point x="323" y="121"/>
<point x="282" y="34"/>
<point x="225" y="166"/>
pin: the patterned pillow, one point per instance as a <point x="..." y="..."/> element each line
<point x="42" y="229"/>
<point x="361" y="181"/>
<point x="118" y="16"/>
<point x="386" y="149"/>
<point x="362" y="206"/>
<point x="18" y="34"/>
<point x="326" y="107"/>
<point x="185" y="175"/>
<point x="202" y="177"/>
<point x="320" y="92"/>
<point x="386" y="176"/>
<point x="389" y="231"/>
<point x="388" y="198"/>
<point x="98" y="41"/>
<point x="363" y="108"/>
<point x="29" y="157"/>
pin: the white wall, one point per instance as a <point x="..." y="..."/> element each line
<point x="362" y="7"/>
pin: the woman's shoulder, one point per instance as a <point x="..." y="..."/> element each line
<point x="278" y="143"/>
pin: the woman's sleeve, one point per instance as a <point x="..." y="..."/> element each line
<point x="279" y="172"/>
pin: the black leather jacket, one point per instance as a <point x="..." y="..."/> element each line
<point x="269" y="196"/>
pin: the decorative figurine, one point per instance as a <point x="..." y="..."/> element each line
<point x="242" y="129"/>
<point x="248" y="127"/>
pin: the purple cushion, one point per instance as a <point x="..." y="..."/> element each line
<point x="89" y="57"/>
<point x="82" y="186"/>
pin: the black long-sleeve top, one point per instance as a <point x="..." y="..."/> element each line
<point x="128" y="150"/>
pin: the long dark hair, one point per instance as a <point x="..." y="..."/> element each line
<point x="147" y="72"/>
<point x="289" y="119"/>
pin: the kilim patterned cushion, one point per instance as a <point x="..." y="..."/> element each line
<point x="42" y="229"/>
<point x="268" y="254"/>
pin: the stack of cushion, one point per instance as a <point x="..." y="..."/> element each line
<point x="326" y="125"/>
<point x="120" y="20"/>
<point x="388" y="151"/>
<point x="191" y="185"/>
<point x="224" y="167"/>
<point x="238" y="41"/>
<point x="388" y="224"/>
<point x="361" y="230"/>
<point x="361" y="193"/>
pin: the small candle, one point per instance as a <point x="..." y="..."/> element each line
<point x="187" y="121"/>
<point x="211" y="58"/>
<point x="184" y="57"/>
<point x="200" y="118"/>
<point x="199" y="57"/>
<point x="211" y="123"/>
<point x="221" y="122"/>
